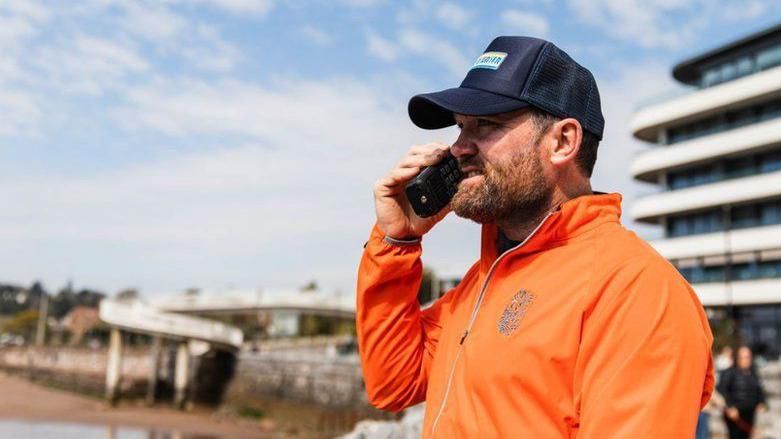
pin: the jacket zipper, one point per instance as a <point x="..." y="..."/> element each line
<point x="473" y="316"/>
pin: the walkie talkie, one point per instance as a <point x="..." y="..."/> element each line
<point x="431" y="190"/>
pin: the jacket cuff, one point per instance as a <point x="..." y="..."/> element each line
<point x="401" y="242"/>
<point x="377" y="236"/>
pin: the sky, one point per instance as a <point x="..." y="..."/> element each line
<point x="163" y="145"/>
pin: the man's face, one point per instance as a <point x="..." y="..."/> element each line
<point x="505" y="177"/>
<point x="744" y="358"/>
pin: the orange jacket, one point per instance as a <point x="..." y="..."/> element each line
<point x="581" y="331"/>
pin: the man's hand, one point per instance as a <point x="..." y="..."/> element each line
<point x="395" y="216"/>
<point x="761" y="408"/>
<point x="732" y="413"/>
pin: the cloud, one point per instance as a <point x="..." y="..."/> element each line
<point x="411" y="42"/>
<point x="77" y="61"/>
<point x="209" y="51"/>
<point x="744" y="10"/>
<point x="316" y="35"/>
<point x="362" y="3"/>
<point x="525" y="23"/>
<point x="176" y="36"/>
<point x="653" y="23"/>
<point x="29" y="9"/>
<point x="20" y="111"/>
<point x="20" y="20"/>
<point x="453" y="15"/>
<point x="88" y="65"/>
<point x="13" y="30"/>
<point x="671" y="24"/>
<point x="545" y="3"/>
<point x="179" y="107"/>
<point x="256" y="7"/>
<point x="151" y="21"/>
<point x="381" y="48"/>
<point x="421" y="43"/>
<point x="294" y="199"/>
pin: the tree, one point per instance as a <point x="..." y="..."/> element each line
<point x="310" y="286"/>
<point x="23" y="323"/>
<point x="14" y="298"/>
<point x="128" y="295"/>
<point x="66" y="299"/>
<point x="37" y="289"/>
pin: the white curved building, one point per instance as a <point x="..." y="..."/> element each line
<point x="716" y="159"/>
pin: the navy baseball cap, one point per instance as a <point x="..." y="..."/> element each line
<point x="515" y="73"/>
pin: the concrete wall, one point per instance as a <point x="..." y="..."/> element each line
<point x="295" y="376"/>
<point x="303" y="387"/>
<point x="78" y="369"/>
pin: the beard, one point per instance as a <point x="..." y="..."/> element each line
<point x="513" y="188"/>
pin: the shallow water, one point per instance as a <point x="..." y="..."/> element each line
<point x="46" y="430"/>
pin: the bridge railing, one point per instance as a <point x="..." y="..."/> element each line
<point x="137" y="317"/>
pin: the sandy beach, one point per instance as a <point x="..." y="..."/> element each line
<point x="23" y="400"/>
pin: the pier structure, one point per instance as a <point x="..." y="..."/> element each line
<point x="185" y="331"/>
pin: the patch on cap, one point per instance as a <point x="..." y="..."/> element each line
<point x="489" y="60"/>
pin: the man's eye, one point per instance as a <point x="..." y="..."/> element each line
<point x="485" y="122"/>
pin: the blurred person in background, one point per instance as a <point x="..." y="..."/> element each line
<point x="725" y="359"/>
<point x="743" y="394"/>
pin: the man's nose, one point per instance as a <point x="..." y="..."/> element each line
<point x="463" y="146"/>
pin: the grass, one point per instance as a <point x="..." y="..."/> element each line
<point x="250" y="412"/>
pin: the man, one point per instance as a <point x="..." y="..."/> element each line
<point x="568" y="325"/>
<point x="743" y="395"/>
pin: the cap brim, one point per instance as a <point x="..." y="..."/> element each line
<point x="435" y="110"/>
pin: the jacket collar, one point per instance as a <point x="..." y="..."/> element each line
<point x="570" y="219"/>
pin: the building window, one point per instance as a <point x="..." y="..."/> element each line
<point x="734" y="68"/>
<point x="769" y="58"/>
<point x="740" y="167"/>
<point x="771" y="213"/>
<point x="707" y="222"/>
<point x="725" y="122"/>
<point x="760" y="328"/>
<point x="745" y="272"/>
<point x="741" y="217"/>
<point x="693" y="177"/>
<point x="745" y="66"/>
<point x="738" y="272"/>
<point x="770" y="111"/>
<point x="744" y="216"/>
<point x="770" y="162"/>
<point x="710" y="77"/>
<point x="725" y="170"/>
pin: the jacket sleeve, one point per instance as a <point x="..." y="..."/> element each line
<point x="644" y="369"/>
<point x="396" y="340"/>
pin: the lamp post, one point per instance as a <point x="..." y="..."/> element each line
<point x="43" y="310"/>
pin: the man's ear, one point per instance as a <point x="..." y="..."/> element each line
<point x="565" y="137"/>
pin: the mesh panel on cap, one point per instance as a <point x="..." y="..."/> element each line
<point x="563" y="88"/>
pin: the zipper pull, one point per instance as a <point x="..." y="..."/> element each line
<point x="463" y="337"/>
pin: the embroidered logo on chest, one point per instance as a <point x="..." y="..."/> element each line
<point x="514" y="312"/>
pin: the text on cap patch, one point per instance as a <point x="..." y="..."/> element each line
<point x="489" y="60"/>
